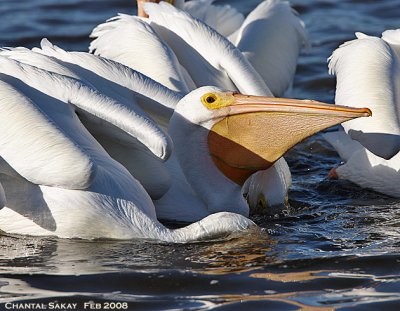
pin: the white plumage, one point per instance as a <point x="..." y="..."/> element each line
<point x="271" y="38"/>
<point x="129" y="40"/>
<point x="120" y="124"/>
<point x="367" y="71"/>
<point x="59" y="181"/>
<point x="223" y="18"/>
<point x="208" y="57"/>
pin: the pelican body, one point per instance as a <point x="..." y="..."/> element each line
<point x="58" y="180"/>
<point x="368" y="73"/>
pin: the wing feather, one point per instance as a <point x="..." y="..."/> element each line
<point x="34" y="144"/>
<point x="131" y="41"/>
<point x="122" y="120"/>
<point x="27" y="56"/>
<point x="119" y="81"/>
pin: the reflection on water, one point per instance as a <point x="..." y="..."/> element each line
<point x="250" y="269"/>
<point x="35" y="255"/>
<point x="292" y="276"/>
<point x="337" y="245"/>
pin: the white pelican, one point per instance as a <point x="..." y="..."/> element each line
<point x="368" y="73"/>
<point x="208" y="57"/>
<point x="271" y="186"/>
<point x="59" y="181"/>
<point x="266" y="189"/>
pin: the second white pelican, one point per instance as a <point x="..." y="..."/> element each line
<point x="270" y="37"/>
<point x="368" y="73"/>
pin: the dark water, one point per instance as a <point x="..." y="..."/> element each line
<point x="337" y="248"/>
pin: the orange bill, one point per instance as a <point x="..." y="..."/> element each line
<point x="257" y="131"/>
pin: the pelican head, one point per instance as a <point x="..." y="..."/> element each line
<point x="243" y="134"/>
<point x="250" y="133"/>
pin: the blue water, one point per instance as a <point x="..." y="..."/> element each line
<point x="337" y="247"/>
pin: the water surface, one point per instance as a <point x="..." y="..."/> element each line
<point x="337" y="247"/>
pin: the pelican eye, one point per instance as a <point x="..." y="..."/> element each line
<point x="212" y="101"/>
<point x="217" y="100"/>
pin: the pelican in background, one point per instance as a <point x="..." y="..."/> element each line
<point x="270" y="37"/>
<point x="174" y="42"/>
<point x="59" y="181"/>
<point x="368" y="73"/>
<point x="206" y="56"/>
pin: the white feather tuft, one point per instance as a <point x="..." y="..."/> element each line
<point x="129" y="40"/>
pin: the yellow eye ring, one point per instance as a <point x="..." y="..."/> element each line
<point x="211" y="101"/>
<point x="217" y="100"/>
